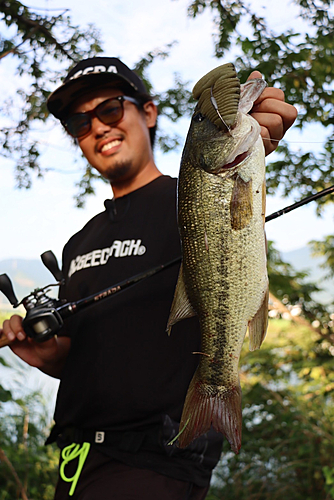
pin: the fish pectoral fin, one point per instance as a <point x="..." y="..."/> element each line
<point x="257" y="326"/>
<point x="241" y="205"/>
<point x="181" y="307"/>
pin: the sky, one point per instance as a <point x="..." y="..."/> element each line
<point x="44" y="217"/>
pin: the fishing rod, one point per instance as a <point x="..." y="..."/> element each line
<point x="300" y="203"/>
<point x="45" y="315"/>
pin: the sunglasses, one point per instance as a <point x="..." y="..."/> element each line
<point x="109" y="112"/>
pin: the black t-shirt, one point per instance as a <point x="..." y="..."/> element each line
<point x="124" y="373"/>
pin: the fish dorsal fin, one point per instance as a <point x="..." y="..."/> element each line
<point x="181" y="307"/>
<point x="223" y="85"/>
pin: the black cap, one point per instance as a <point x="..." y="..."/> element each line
<point x="88" y="74"/>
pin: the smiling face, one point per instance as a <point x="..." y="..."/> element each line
<point x="121" y="153"/>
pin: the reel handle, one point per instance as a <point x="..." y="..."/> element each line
<point x="50" y="261"/>
<point x="6" y="288"/>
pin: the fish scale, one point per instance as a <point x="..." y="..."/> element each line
<point x="223" y="277"/>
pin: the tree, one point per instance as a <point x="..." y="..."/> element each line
<point x="28" y="469"/>
<point x="36" y="42"/>
<point x="288" y="384"/>
<point x="39" y="43"/>
<point x="301" y="64"/>
<point x="296" y="292"/>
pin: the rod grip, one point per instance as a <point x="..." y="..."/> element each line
<point x="4" y="341"/>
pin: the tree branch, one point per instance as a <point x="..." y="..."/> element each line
<point x="34" y="26"/>
<point x="14" y="49"/>
<point x="5" y="459"/>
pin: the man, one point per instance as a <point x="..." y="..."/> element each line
<point x="122" y="379"/>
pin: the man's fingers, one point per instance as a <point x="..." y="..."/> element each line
<point x="254" y="74"/>
<point x="12" y="328"/>
<point x="280" y="113"/>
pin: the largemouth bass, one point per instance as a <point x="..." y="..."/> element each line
<point x="223" y="277"/>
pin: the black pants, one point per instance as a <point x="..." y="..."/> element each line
<point x="103" y="478"/>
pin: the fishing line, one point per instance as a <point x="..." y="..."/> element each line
<point x="294" y="142"/>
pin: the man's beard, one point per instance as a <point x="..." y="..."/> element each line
<point x="119" y="171"/>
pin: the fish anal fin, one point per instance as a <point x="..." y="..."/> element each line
<point x="181" y="307"/>
<point x="257" y="326"/>
<point x="202" y="410"/>
<point x="241" y="205"/>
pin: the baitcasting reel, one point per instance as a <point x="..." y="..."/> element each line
<point x="43" y="319"/>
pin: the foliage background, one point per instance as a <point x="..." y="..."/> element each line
<point x="126" y="31"/>
<point x="28" y="469"/>
<point x="288" y="384"/>
<point x="288" y="419"/>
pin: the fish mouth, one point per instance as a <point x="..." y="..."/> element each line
<point x="238" y="159"/>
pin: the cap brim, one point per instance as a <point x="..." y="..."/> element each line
<point x="63" y="97"/>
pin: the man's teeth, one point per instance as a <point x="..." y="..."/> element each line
<point x="110" y="145"/>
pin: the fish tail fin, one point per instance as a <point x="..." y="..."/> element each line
<point x="201" y="411"/>
<point x="258" y="325"/>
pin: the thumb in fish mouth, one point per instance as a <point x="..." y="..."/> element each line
<point x="223" y="85"/>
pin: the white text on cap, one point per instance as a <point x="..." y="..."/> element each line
<point x="94" y="69"/>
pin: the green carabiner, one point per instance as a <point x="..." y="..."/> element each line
<point x="68" y="454"/>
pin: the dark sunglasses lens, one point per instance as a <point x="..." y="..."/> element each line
<point x="110" y="111"/>
<point x="78" y="125"/>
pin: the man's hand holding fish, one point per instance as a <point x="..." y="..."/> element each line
<point x="274" y="115"/>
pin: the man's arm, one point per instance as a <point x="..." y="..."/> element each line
<point x="273" y="114"/>
<point x="49" y="356"/>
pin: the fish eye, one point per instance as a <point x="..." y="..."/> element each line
<point x="199" y="117"/>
